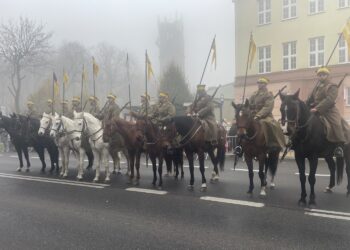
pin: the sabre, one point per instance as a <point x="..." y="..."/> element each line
<point x="280" y="91"/>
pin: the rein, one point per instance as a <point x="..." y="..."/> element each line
<point x="85" y="126"/>
<point x="182" y="143"/>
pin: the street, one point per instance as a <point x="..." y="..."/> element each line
<point x="42" y="211"/>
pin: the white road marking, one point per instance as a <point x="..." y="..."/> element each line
<point x="235" y="202"/>
<point x="55" y="181"/>
<point x="244" y="170"/>
<point x="327" y="212"/>
<point x="14" y="156"/>
<point x="147" y="191"/>
<point x="195" y="166"/>
<point x="338" y="217"/>
<point x="321" y="175"/>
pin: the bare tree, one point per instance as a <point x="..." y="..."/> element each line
<point x="22" y="44"/>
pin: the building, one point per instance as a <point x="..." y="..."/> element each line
<point x="293" y="39"/>
<point x="171" y="44"/>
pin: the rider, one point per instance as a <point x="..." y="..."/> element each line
<point x="322" y="101"/>
<point x="145" y="108"/>
<point x="76" y="106"/>
<point x="203" y="107"/>
<point x="163" y="110"/>
<point x="94" y="107"/>
<point x="261" y="104"/>
<point x="49" y="107"/>
<point x="31" y="111"/>
<point x="66" y="112"/>
<point x="110" y="110"/>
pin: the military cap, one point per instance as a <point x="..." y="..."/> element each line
<point x="263" y="80"/>
<point x="163" y="94"/>
<point x="323" y="70"/>
<point x="30" y="103"/>
<point x="93" y="98"/>
<point x="64" y="102"/>
<point x="200" y="87"/>
<point x="76" y="99"/>
<point x="49" y="101"/>
<point x="111" y="96"/>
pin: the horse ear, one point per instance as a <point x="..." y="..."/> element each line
<point x="246" y="102"/>
<point x="296" y="95"/>
<point x="282" y="96"/>
<point x="234" y="105"/>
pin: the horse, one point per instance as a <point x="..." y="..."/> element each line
<point x="46" y="124"/>
<point x="134" y="141"/>
<point x="309" y="141"/>
<point x="10" y="124"/>
<point x="29" y="130"/>
<point x="92" y="127"/>
<point x="68" y="139"/>
<point x="193" y="141"/>
<point x="253" y="142"/>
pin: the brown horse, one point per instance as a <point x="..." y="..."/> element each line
<point x="253" y="142"/>
<point x="134" y="139"/>
<point x="193" y="141"/>
<point x="156" y="146"/>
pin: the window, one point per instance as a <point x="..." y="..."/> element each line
<point x="264" y="12"/>
<point x="343" y="51"/>
<point x="289" y="9"/>
<point x="316" y="6"/>
<point x="290" y="55"/>
<point x="344" y="3"/>
<point x="264" y="59"/>
<point x="316" y="52"/>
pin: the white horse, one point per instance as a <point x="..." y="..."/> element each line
<point x="68" y="137"/>
<point x="87" y="123"/>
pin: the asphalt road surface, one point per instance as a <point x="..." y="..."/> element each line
<point x="42" y="211"/>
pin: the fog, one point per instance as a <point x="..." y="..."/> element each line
<point x="131" y="26"/>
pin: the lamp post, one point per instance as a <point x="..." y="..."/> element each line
<point x="221" y="106"/>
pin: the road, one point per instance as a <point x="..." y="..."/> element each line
<point x="40" y="211"/>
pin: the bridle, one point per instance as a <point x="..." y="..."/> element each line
<point x="245" y="136"/>
<point x="86" y="129"/>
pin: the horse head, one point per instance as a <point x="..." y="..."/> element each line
<point x="244" y="117"/>
<point x="290" y="110"/>
<point x="45" y="123"/>
<point x="56" y="124"/>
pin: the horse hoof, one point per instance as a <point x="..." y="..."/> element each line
<point x="190" y="187"/>
<point x="27" y="170"/>
<point x="302" y="203"/>
<point x="312" y="204"/>
<point x="203" y="187"/>
<point x="95" y="180"/>
<point x="65" y="176"/>
<point x="19" y="169"/>
<point x="272" y="186"/>
<point x="328" y="190"/>
<point x="107" y="181"/>
<point x="79" y="178"/>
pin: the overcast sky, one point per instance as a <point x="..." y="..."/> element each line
<point x="132" y="25"/>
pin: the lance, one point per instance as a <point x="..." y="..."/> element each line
<point x="63" y="94"/>
<point x="53" y="93"/>
<point x="146" y="85"/>
<point x="81" y="91"/>
<point x="128" y="75"/>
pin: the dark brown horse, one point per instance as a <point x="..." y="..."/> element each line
<point x="134" y="139"/>
<point x="193" y="141"/>
<point x="156" y="147"/>
<point x="253" y="142"/>
<point x="306" y="132"/>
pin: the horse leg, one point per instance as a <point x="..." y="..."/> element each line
<point x="215" y="173"/>
<point x="90" y="156"/>
<point x="312" y="179"/>
<point x="105" y="161"/>
<point x="191" y="167"/>
<point x="249" y="162"/>
<point x="65" y="154"/>
<point x="132" y="156"/>
<point x="97" y="172"/>
<point x="300" y="160"/>
<point x="160" y="172"/>
<point x="19" y="153"/>
<point x="201" y="158"/>
<point x="262" y="175"/>
<point x="347" y="162"/>
<point x="331" y="167"/>
<point x="51" y="152"/>
<point x="273" y="164"/>
<point x="81" y="164"/>
<point x="41" y="154"/>
<point x="26" y="156"/>
<point x="138" y="157"/>
<point x="181" y="162"/>
<point x="154" y="168"/>
<point x="126" y="154"/>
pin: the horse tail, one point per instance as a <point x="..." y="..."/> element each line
<point x="340" y="169"/>
<point x="272" y="162"/>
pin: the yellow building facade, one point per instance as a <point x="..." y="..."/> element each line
<point x="293" y="38"/>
